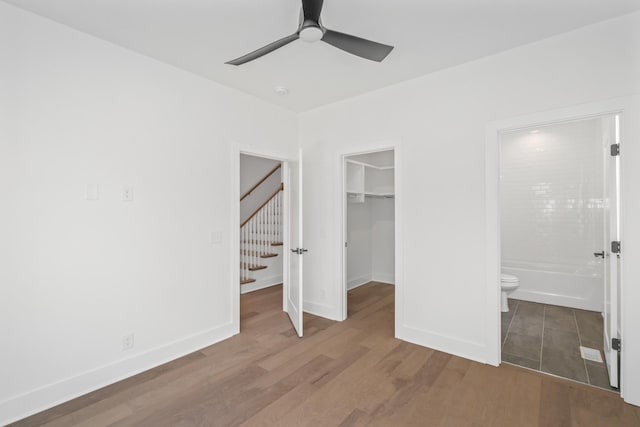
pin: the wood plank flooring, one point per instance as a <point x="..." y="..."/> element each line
<point x="350" y="373"/>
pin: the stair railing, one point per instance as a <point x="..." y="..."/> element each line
<point x="260" y="232"/>
<point x="264" y="178"/>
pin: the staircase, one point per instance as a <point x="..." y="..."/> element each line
<point x="261" y="236"/>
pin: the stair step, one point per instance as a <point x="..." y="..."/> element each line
<point x="257" y="267"/>
<point x="248" y="253"/>
<point x="277" y="244"/>
<point x="245" y="281"/>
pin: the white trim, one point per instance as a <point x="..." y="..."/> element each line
<point x="492" y="203"/>
<point x="48" y="396"/>
<point x="263" y="283"/>
<point x="320" y="310"/>
<point x="234" y="236"/>
<point x="359" y="281"/>
<point x="369" y="165"/>
<point x="236" y="150"/>
<point x="286" y="232"/>
<point x="445" y="343"/>
<point x="389" y="279"/>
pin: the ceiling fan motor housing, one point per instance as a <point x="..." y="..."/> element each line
<point x="311" y="31"/>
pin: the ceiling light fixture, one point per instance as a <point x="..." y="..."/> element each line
<point x="311" y="34"/>
<point x="281" y="90"/>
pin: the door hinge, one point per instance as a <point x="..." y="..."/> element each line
<point x="616" y="344"/>
<point x="615" y="149"/>
<point x="615" y="247"/>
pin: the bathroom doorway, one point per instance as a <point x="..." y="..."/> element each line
<point x="559" y="199"/>
<point x="369" y="232"/>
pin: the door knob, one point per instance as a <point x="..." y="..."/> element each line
<point x="599" y="254"/>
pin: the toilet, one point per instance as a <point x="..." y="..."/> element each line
<point x="508" y="284"/>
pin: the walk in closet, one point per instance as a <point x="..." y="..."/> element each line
<point x="370" y="222"/>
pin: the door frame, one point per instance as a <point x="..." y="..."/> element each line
<point x="621" y="106"/>
<point x="234" y="234"/>
<point x="396" y="146"/>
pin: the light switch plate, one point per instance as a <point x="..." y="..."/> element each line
<point x="93" y="192"/>
<point x="215" y="237"/>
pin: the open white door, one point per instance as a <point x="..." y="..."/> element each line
<point x="611" y="254"/>
<point x="294" y="290"/>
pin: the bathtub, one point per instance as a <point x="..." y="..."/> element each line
<point x="568" y="286"/>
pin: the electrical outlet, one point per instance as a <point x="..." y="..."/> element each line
<point x="127" y="342"/>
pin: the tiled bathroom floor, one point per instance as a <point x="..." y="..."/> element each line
<point x="548" y="338"/>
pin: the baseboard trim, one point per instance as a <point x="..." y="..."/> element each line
<point x="389" y="279"/>
<point x="48" y="396"/>
<point x="447" y="344"/>
<point x="320" y="310"/>
<point x="261" y="284"/>
<point x="358" y="281"/>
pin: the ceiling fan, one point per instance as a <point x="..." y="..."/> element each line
<point x="312" y="30"/>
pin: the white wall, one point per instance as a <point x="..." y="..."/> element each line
<point x="441" y="120"/>
<point x="371" y="235"/>
<point x="360" y="244"/>
<point x="252" y="170"/>
<point x="77" y="275"/>
<point x="383" y="239"/>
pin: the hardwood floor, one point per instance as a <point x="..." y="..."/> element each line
<point x="348" y="373"/>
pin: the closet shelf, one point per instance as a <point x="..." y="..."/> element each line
<point x="371" y="194"/>
<point x="356" y="194"/>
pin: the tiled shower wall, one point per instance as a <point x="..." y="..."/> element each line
<point x="552" y="195"/>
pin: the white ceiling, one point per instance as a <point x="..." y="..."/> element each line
<point x="428" y="35"/>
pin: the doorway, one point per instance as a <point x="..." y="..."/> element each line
<point x="559" y="200"/>
<point x="369" y="228"/>
<point x="261" y="223"/>
<point x="265" y="211"/>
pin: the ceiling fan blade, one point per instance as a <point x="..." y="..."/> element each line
<point x="355" y="45"/>
<point x="264" y="50"/>
<point x="312" y="9"/>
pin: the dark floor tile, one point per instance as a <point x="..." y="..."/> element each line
<point x="598" y="375"/>
<point x="506" y="317"/>
<point x="560" y="337"/>
<point x="561" y="355"/>
<point x="530" y="308"/>
<point x="559" y="318"/>
<point x="561" y="342"/>
<point x="521" y="345"/>
<point x="590" y="328"/>
<point x="505" y="321"/>
<point x="527" y="323"/>
<point x="513" y="306"/>
<point x="521" y="361"/>
<point x="564" y="366"/>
